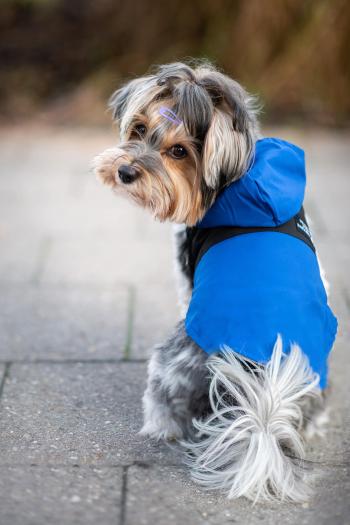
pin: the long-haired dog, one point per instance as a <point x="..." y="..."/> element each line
<point x="240" y="382"/>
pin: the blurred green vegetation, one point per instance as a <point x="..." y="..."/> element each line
<point x="71" y="54"/>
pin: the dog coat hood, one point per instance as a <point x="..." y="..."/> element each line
<point x="249" y="288"/>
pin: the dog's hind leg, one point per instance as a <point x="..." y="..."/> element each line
<point x="177" y="389"/>
<point x="315" y="416"/>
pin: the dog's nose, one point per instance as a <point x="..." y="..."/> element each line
<point x="127" y="174"/>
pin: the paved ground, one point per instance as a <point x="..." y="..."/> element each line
<point x="85" y="290"/>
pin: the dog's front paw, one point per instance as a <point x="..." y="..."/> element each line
<point x="170" y="431"/>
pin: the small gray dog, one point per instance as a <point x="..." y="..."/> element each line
<point x="241" y="380"/>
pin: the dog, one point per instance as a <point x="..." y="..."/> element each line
<point x="241" y="382"/>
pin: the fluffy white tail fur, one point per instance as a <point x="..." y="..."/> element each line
<point x="242" y="447"/>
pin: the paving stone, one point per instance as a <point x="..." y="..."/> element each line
<point x="338" y="304"/>
<point x="337" y="256"/>
<point x="62" y="322"/>
<point x="60" y="495"/>
<point x="332" y="215"/>
<point x="335" y="449"/>
<point x="328" y="184"/>
<point x="165" y="495"/>
<point x="75" y="208"/>
<point x="37" y="152"/>
<point x="329" y="256"/>
<point x="335" y="263"/>
<point x="108" y="261"/>
<point x="155" y="314"/>
<point x="63" y="196"/>
<point x="62" y="414"/>
<point x="119" y="217"/>
<point x="21" y="257"/>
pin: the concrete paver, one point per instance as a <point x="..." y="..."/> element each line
<point x="56" y="495"/>
<point x="104" y="261"/>
<point x="83" y="413"/>
<point x="164" y="495"/>
<point x="20" y="260"/>
<point x="156" y="311"/>
<point x="71" y="322"/>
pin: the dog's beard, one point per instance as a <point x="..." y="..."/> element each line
<point x="171" y="191"/>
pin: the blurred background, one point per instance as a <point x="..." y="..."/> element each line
<point x="61" y="59"/>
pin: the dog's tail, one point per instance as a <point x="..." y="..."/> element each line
<point x="251" y="443"/>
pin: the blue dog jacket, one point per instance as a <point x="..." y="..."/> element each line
<point x="249" y="288"/>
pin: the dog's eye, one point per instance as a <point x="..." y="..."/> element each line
<point x="139" y="130"/>
<point x="177" y="151"/>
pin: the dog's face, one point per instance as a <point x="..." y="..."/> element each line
<point x="185" y="134"/>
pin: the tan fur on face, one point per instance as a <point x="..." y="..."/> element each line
<point x="171" y="190"/>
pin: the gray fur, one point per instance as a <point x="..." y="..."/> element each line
<point x="177" y="389"/>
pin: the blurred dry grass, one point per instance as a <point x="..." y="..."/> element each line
<point x="64" y="57"/>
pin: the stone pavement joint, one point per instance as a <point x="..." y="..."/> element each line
<point x="123" y="495"/>
<point x="130" y="323"/>
<point x="44" y="250"/>
<point x="4" y="376"/>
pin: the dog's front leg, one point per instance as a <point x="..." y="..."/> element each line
<point x="177" y="389"/>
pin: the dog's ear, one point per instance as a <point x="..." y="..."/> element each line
<point x="131" y="99"/>
<point x="118" y="102"/>
<point x="226" y="150"/>
<point x="229" y="140"/>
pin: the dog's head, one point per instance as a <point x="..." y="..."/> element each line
<point x="186" y="132"/>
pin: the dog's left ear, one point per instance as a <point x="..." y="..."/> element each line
<point x="228" y="143"/>
<point x="226" y="150"/>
